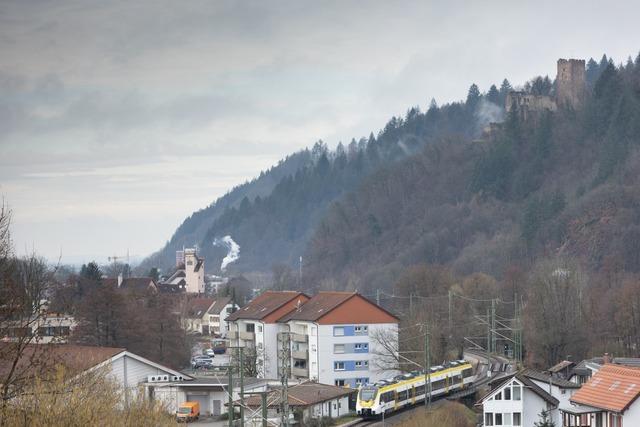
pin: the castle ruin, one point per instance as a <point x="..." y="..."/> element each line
<point x="570" y="91"/>
<point x="570" y="82"/>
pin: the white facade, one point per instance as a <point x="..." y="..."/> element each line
<point x="343" y="355"/>
<point x="194" y="272"/>
<point x="520" y="407"/>
<point x="514" y="400"/>
<point x="212" y="395"/>
<point x="260" y="337"/>
<point x="217" y="324"/>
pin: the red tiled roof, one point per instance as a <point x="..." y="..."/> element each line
<point x="264" y="304"/>
<point x="613" y="388"/>
<point x="319" y="305"/>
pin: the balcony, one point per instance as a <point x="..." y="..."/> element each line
<point x="299" y="354"/>
<point x="299" y="337"/>
<point x="300" y="372"/>
<point x="247" y="336"/>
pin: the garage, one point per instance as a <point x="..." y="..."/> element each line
<point x="203" y="398"/>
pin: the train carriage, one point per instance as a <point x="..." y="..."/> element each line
<point x="391" y="395"/>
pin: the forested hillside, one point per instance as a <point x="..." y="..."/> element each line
<point x="566" y="183"/>
<point x="275" y="225"/>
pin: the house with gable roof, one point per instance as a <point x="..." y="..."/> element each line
<point x="519" y="398"/>
<point x="608" y="399"/>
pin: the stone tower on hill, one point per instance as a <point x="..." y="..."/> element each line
<point x="570" y="82"/>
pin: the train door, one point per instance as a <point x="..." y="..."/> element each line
<point x="413" y="394"/>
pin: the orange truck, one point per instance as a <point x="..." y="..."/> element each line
<point x="188" y="411"/>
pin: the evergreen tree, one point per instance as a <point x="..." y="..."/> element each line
<point x="473" y="97"/>
<point x="494" y="95"/>
<point x="592" y="71"/>
<point x="545" y="420"/>
<point x="505" y="88"/>
<point x="91" y="272"/>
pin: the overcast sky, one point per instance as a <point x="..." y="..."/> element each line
<point x="119" y="119"/>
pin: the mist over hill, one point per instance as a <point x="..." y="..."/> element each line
<point x="436" y="187"/>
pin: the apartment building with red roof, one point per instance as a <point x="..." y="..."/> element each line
<point x="255" y="327"/>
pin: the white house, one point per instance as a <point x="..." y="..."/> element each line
<point x="127" y="369"/>
<point x="218" y="312"/>
<point x="195" y="316"/>
<point x="255" y="327"/>
<point x="520" y="398"/>
<point x="209" y="391"/>
<point x="336" y="339"/>
<point x="608" y="399"/>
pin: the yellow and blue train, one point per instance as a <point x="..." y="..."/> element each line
<point x="387" y="396"/>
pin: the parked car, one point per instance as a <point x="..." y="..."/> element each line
<point x="209" y="352"/>
<point x="203" y="364"/>
<point x="199" y="361"/>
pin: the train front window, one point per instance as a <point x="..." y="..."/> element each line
<point x="368" y="393"/>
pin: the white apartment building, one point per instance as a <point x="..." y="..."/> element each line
<point x="335" y="339"/>
<point x="255" y="327"/>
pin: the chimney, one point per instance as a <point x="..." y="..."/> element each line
<point x="119" y="280"/>
<point x="606" y="359"/>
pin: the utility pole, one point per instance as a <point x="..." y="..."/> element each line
<point x="241" y="357"/>
<point x="493" y="325"/>
<point x="427" y="363"/>
<point x="488" y="332"/>
<point x="264" y="409"/>
<point x="230" y="391"/>
<point x="284" y="378"/>
<point x="411" y="304"/>
<point x="300" y="273"/>
<point x="450" y="322"/>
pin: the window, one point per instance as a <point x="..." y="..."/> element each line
<point x="498" y="396"/>
<point x="498" y="419"/>
<point x="338" y="348"/>
<point x="339" y="383"/>
<point x="506" y="419"/>
<point x="361" y="330"/>
<point x="488" y="419"/>
<point x="361" y="347"/>
<point x="362" y="381"/>
<point x="517" y="419"/>
<point x="259" y="328"/>
<point x="250" y="327"/>
<point x="229" y="310"/>
<point x="507" y="394"/>
<point x="360" y="364"/>
<point x="338" y="366"/>
<point x="300" y="363"/>
<point x="338" y="331"/>
<point x="517" y="392"/>
<point x="212" y="318"/>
